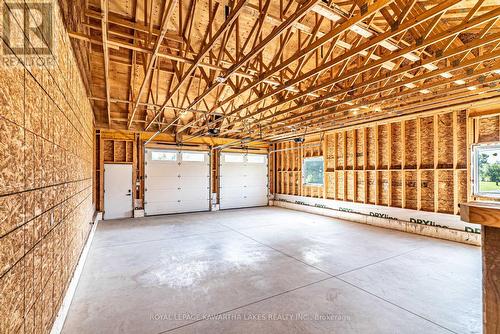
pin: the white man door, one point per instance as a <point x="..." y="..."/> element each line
<point x="117" y="191"/>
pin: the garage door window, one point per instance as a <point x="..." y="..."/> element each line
<point x="196" y="157"/>
<point x="256" y="159"/>
<point x="163" y="156"/>
<point x="312" y="171"/>
<point x="233" y="158"/>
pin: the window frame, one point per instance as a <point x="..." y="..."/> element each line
<point x="253" y="155"/>
<point x="475" y="183"/>
<point x="234" y="155"/>
<point x="187" y="153"/>
<point x="175" y="153"/>
<point x="304" y="161"/>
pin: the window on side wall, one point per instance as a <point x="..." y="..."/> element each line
<point x="312" y="171"/>
<point x="486" y="170"/>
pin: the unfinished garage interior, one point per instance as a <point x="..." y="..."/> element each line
<point x="249" y="166"/>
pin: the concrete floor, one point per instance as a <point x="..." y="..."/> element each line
<point x="272" y="270"/>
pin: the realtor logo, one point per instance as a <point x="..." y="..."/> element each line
<point x="27" y="30"/>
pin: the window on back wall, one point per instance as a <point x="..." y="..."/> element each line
<point x="312" y="171"/>
<point x="486" y="170"/>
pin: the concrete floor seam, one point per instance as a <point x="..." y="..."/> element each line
<point x="281" y="252"/>
<point x="379" y="261"/>
<point x="396" y="305"/>
<point x="275" y="270"/>
<point x="336" y="276"/>
<point x="323" y="271"/>
<point x="249" y="304"/>
<point x="161" y="239"/>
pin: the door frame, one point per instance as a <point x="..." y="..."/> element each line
<point x="131" y="190"/>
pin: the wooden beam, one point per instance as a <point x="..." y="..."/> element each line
<point x="104" y="22"/>
<point x="152" y="59"/>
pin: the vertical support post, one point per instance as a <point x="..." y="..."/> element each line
<point x="419" y="163"/>
<point x="435" y="121"/>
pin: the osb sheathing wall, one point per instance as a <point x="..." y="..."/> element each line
<point x="419" y="163"/>
<point x="46" y="137"/>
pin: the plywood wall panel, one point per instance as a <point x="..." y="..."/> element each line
<point x="350" y="150"/>
<point x="411" y="190"/>
<point x="371" y="147"/>
<point x="488" y="129"/>
<point x="350" y="185"/>
<point x="11" y="157"/>
<point x="396" y="145"/>
<point x="359" y="148"/>
<point x="410" y="143"/>
<point x="445" y="140"/>
<point x="391" y="174"/>
<point x="45" y="187"/>
<point x="427" y="194"/>
<point x="383" y="140"/>
<point x="383" y="187"/>
<point x="12" y="94"/>
<point x="461" y="133"/>
<point x="371" y="186"/>
<point x="340" y="150"/>
<point x="427" y="142"/>
<point x="445" y="191"/>
<point x="360" y="187"/>
<point x="396" y="189"/>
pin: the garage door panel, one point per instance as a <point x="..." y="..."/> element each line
<point x="190" y="170"/>
<point x="190" y="206"/>
<point x="243" y="184"/>
<point x="157" y="208"/>
<point x="163" y="182"/>
<point x="198" y="182"/>
<point x="158" y="168"/>
<point x="176" y="186"/>
<point x="192" y="193"/>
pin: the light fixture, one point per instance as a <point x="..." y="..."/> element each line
<point x="349" y="103"/>
<point x="472" y="88"/>
<point x="361" y="31"/>
<point x="446" y="75"/>
<point x="411" y="56"/>
<point x="389" y="65"/>
<point x="410" y="85"/>
<point x="326" y="12"/>
<point x="388" y="45"/>
<point x="496" y="71"/>
<point x="430" y="67"/>
<point x="425" y="91"/>
<point x="221" y="79"/>
<point x="459" y="82"/>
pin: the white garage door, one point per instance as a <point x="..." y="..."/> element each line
<point x="243" y="180"/>
<point x="176" y="181"/>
